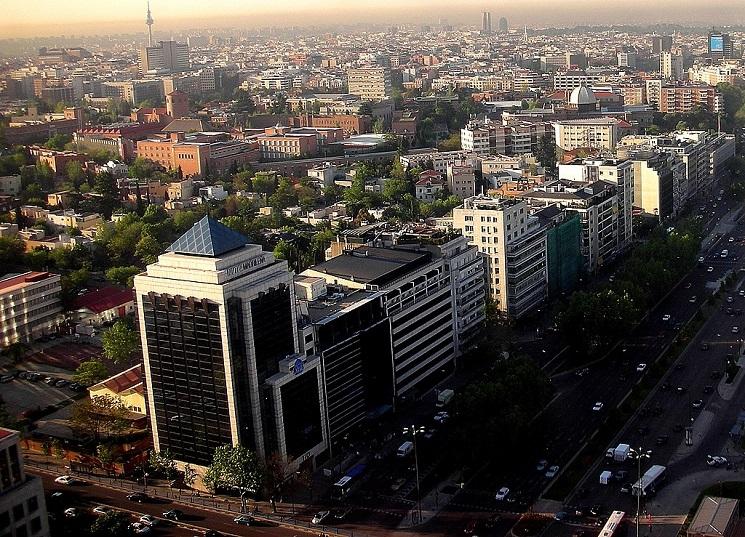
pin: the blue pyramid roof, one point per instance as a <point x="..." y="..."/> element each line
<point x="209" y="238"/>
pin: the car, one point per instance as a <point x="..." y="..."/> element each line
<point x="666" y="317"/>
<point x="680" y="390"/>
<point x="701" y="259"/>
<point x="243" y="520"/>
<point x="212" y="533"/>
<point x="71" y="512"/>
<point x="398" y="483"/>
<point x="688" y="285"/>
<point x="741" y="292"/>
<point x="442" y="417"/>
<point x="174" y="514"/>
<point x="149" y="520"/>
<point x="430" y="433"/>
<point x="541" y="466"/>
<point x="139" y="528"/>
<point x="626" y="488"/>
<point x="319" y="517"/>
<point x="61" y="383"/>
<point x="715" y="461"/>
<point x="662" y="440"/>
<point x="561" y="515"/>
<point x="102" y="510"/>
<point x="6" y="378"/>
<point x="66" y="480"/>
<point x="704" y="346"/>
<point x="641" y="367"/>
<point x="735" y="329"/>
<point x="596" y="509"/>
<point x="710" y="269"/>
<point x="502" y="494"/>
<point x="730" y="300"/>
<point x="50" y="380"/>
<point x="698" y="403"/>
<point x="138" y="497"/>
<point x="620" y="475"/>
<point x="552" y="471"/>
<point x="731" y="239"/>
<point x="341" y="514"/>
<point x="597" y="407"/>
<point x="693" y="299"/>
<point x="708" y="389"/>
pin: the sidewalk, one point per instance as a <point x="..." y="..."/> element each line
<point x="433" y="502"/>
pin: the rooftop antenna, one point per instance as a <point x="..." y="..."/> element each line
<point x="149" y="21"/>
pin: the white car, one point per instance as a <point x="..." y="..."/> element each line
<point x="102" y="510"/>
<point x="597" y="407"/>
<point x="693" y="299"/>
<point x="641" y="367"/>
<point x="710" y="269"/>
<point x="319" y="517"/>
<point x="442" y="417"/>
<point x="66" y="480"/>
<point x="552" y="471"/>
<point x="666" y="317"/>
<point x="502" y="494"/>
<point x="716" y="460"/>
<point x="701" y="259"/>
<point x="149" y="520"/>
<point x="139" y="528"/>
<point x="71" y="512"/>
<point x="735" y="330"/>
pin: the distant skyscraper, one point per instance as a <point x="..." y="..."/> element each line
<point x="166" y="56"/>
<point x="486" y="22"/>
<point x="720" y="45"/>
<point x="503" y="26"/>
<point x="661" y="43"/>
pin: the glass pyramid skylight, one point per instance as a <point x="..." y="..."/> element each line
<point x="208" y="237"/>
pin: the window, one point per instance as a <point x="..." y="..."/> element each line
<point x="18" y="512"/>
<point x="35" y="525"/>
<point x="32" y="504"/>
<point x="5" y="519"/>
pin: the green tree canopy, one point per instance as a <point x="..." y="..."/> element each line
<point x="235" y="466"/>
<point x="123" y="276"/>
<point x="90" y="372"/>
<point x="120" y="342"/>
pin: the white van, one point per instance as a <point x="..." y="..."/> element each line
<point x="405" y="448"/>
<point x="725" y="253"/>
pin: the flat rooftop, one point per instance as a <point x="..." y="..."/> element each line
<point x="373" y="265"/>
<point x="324" y="309"/>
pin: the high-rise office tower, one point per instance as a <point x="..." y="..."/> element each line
<point x="503" y="26"/>
<point x="219" y="342"/>
<point x="370" y="83"/>
<point x="671" y="65"/>
<point x="720" y="45"/>
<point x="486" y="22"/>
<point x="166" y="56"/>
<point x="661" y="43"/>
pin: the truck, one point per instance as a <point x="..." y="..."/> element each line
<point x="649" y="481"/>
<point x="619" y="453"/>
<point x="405" y="448"/>
<point x="444" y="397"/>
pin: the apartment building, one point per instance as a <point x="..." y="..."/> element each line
<point x="440" y="160"/>
<point x="10" y="185"/>
<point x="370" y="83"/>
<point x="597" y="205"/>
<point x="598" y="133"/>
<point x="671" y="66"/>
<point x="658" y="183"/>
<point x="513" y="243"/>
<point x="618" y="171"/>
<point x="29" y="306"/>
<point x="165" y="57"/>
<point x="23" y="511"/>
<point x="568" y="80"/>
<point x="509" y="137"/>
<point x="134" y="91"/>
<point x="461" y="180"/>
<point x="686" y="98"/>
<point x="713" y="75"/>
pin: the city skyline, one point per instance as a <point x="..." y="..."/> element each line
<point x="90" y="19"/>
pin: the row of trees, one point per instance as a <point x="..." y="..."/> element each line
<point x="592" y="321"/>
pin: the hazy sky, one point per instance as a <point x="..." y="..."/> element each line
<point x="76" y="17"/>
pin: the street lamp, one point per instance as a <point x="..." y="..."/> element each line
<point x="639" y="454"/>
<point x="413" y="430"/>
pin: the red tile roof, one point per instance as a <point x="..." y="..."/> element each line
<point x="126" y="380"/>
<point x="104" y="299"/>
<point x="5" y="433"/>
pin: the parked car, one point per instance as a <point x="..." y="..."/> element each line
<point x="641" y="367"/>
<point x="698" y="403"/>
<point x="102" y="510"/>
<point x="139" y="528"/>
<point x="542" y="465"/>
<point x="552" y="471"/>
<point x="139" y="497"/>
<point x="319" y="517"/>
<point x="502" y="494"/>
<point x="597" y="407"/>
<point x="174" y="514"/>
<point x="398" y="483"/>
<point x="149" y="520"/>
<point x="66" y="480"/>
<point x="716" y="460"/>
<point x="71" y="512"/>
<point x="243" y="520"/>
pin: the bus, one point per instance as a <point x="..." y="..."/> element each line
<point x="611" y="527"/>
<point x="341" y="488"/>
<point x="649" y="481"/>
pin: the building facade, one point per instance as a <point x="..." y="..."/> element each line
<point x="370" y="83"/>
<point x="29" y="306"/>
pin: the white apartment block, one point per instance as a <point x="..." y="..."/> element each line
<point x="671" y="65"/>
<point x="573" y="79"/>
<point x="440" y="159"/>
<point x="617" y="171"/>
<point x="29" y="306"/>
<point x="23" y="511"/>
<point x="597" y="133"/>
<point x="598" y="208"/>
<point x="514" y="246"/>
<point x="510" y="137"/>
<point x="715" y="74"/>
<point x="370" y="83"/>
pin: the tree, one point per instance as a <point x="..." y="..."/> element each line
<point x="284" y="196"/>
<point x="148" y="249"/>
<point x="546" y="154"/>
<point x="235" y="467"/>
<point x="119" y="342"/>
<point x="123" y="276"/>
<point x="112" y="524"/>
<point x="90" y="372"/>
<point x="105" y="454"/>
<point x="264" y="183"/>
<point x="11" y="251"/>
<point x="163" y="463"/>
<point x="105" y="185"/>
<point x="451" y="143"/>
<point x="143" y="168"/>
<point x="58" y="141"/>
<point x="394" y="189"/>
<point x="190" y="475"/>
<point x="101" y="415"/>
